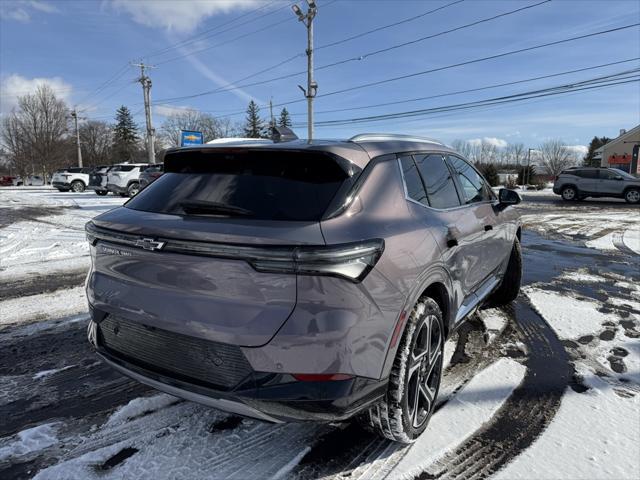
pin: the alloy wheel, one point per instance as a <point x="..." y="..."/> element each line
<point x="568" y="194"/>
<point x="633" y="196"/>
<point x="425" y="368"/>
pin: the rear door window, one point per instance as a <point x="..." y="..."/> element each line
<point x="474" y="188"/>
<point x="437" y="178"/>
<point x="587" y="173"/>
<point x="263" y="185"/>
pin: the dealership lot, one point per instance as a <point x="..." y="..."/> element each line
<point x="554" y="377"/>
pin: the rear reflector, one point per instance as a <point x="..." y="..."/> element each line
<point x="398" y="329"/>
<point x="320" y="377"/>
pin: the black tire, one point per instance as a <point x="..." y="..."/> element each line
<point x="569" y="194"/>
<point x="77" y="186"/>
<point x="133" y="189"/>
<point x="508" y="290"/>
<point x="406" y="409"/>
<point x="102" y="193"/>
<point x="632" y="196"/>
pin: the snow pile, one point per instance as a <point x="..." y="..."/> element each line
<point x="31" y="440"/>
<point x="139" y="407"/>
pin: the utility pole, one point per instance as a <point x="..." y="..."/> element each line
<point x="146" y="92"/>
<point x="273" y="120"/>
<point x="74" y="115"/>
<point x="312" y="86"/>
<point x="525" y="176"/>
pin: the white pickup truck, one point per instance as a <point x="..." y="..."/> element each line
<point x="74" y="178"/>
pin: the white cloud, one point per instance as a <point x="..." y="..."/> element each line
<point x="493" y="141"/>
<point x="180" y="16"/>
<point x="578" y="150"/>
<point x="20" y="10"/>
<point x="13" y="86"/>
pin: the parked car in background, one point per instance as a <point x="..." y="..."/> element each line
<point x="7" y="180"/>
<point x="297" y="282"/>
<point x="75" y="179"/>
<point x="98" y="179"/>
<point x="123" y="179"/>
<point x="151" y="174"/>
<point x="578" y="183"/>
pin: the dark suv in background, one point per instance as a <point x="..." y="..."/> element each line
<point x="579" y="183"/>
<point x="297" y="281"/>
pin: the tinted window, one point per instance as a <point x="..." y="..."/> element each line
<point x="441" y="190"/>
<point x="474" y="188"/>
<point x="415" y="188"/>
<point x="75" y="170"/>
<point x="256" y="185"/>
<point x="587" y="173"/>
<point x="608" y="175"/>
<point x="123" y="168"/>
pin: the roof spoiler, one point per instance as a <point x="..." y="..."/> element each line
<point x="282" y="134"/>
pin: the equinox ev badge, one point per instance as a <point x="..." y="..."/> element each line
<point x="149" y="244"/>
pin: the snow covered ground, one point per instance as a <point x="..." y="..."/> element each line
<point x="547" y="389"/>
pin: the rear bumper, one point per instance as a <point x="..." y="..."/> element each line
<point x="272" y="397"/>
<point x="99" y="188"/>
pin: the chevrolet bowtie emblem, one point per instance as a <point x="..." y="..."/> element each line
<point x="149" y="244"/>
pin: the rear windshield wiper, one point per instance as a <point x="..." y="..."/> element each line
<point x="194" y="207"/>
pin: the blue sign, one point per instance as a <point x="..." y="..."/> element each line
<point x="188" y="137"/>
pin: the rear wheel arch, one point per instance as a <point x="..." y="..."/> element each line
<point x="438" y="292"/>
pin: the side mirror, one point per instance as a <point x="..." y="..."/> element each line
<point x="508" y="197"/>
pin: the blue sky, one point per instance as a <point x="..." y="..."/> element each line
<point x="78" y="45"/>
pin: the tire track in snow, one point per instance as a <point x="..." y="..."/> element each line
<point x="524" y="416"/>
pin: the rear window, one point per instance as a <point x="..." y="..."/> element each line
<point x="263" y="185"/>
<point x="123" y="168"/>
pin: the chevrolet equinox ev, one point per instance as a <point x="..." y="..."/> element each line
<point x="302" y="282"/>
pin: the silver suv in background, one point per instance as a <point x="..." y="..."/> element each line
<point x="578" y="183"/>
<point x="123" y="179"/>
<point x="75" y="179"/>
<point x="296" y="281"/>
<point x="98" y="179"/>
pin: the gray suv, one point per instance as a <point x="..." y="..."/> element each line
<point x="295" y="281"/>
<point x="578" y="183"/>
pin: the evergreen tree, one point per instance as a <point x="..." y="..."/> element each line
<point x="490" y="173"/>
<point x="596" y="142"/>
<point x="254" y="126"/>
<point x="285" y="118"/>
<point x="125" y="136"/>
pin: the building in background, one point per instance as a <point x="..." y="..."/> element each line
<point x="621" y="152"/>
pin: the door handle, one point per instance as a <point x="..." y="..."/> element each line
<point x="488" y="227"/>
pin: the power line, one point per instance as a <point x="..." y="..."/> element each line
<point x="597" y="82"/>
<point x="425" y="72"/>
<point x="290" y="75"/>
<point x="390" y="25"/>
<point x="195" y="38"/>
<point x="477" y="89"/>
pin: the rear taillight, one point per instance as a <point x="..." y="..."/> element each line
<point x="320" y="377"/>
<point x="352" y="261"/>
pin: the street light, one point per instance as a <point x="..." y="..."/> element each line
<point x="312" y="86"/>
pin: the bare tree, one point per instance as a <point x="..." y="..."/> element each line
<point x="35" y="135"/>
<point x="515" y="153"/>
<point x="462" y="147"/>
<point x="555" y="156"/>
<point x="96" y="139"/>
<point x="210" y="126"/>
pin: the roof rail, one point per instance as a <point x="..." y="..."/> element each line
<point x="385" y="137"/>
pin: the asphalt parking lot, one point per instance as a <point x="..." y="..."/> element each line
<point x="550" y="384"/>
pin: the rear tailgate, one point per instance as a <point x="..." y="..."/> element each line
<point x="195" y="271"/>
